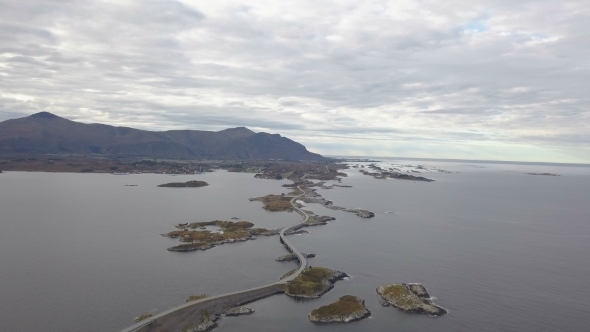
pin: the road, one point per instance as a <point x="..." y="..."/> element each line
<point x="302" y="266"/>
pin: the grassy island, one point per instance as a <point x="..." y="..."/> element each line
<point x="348" y="308"/>
<point x="188" y="184"/>
<point x="409" y="298"/>
<point x="275" y="203"/>
<point x="313" y="282"/>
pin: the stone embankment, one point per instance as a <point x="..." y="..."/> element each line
<point x="142" y="317"/>
<point x="292" y="231"/>
<point x="409" y="298"/>
<point x="312" y="197"/>
<point x="315" y="220"/>
<point x="239" y="311"/>
<point x="292" y="257"/>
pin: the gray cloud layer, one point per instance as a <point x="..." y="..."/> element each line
<point x="487" y="79"/>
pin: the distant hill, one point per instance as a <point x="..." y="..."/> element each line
<point x="46" y="133"/>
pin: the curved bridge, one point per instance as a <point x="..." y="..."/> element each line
<point x="302" y="265"/>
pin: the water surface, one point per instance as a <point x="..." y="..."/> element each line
<point x="501" y="250"/>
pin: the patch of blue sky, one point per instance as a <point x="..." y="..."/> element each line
<point x="476" y="26"/>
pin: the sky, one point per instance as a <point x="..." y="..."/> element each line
<point x="490" y="80"/>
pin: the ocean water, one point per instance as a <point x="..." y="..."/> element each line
<point x="501" y="250"/>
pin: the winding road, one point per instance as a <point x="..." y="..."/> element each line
<point x="288" y="244"/>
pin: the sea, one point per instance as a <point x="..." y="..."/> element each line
<point x="500" y="249"/>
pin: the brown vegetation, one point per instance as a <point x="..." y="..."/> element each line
<point x="230" y="231"/>
<point x="275" y="203"/>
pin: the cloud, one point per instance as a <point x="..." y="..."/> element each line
<point x="373" y="75"/>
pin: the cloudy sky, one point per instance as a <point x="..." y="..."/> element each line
<point x="487" y="79"/>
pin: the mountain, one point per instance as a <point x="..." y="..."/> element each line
<point x="46" y="133"/>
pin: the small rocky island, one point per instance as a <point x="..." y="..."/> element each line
<point x="230" y="231"/>
<point x="409" y="298"/>
<point x="545" y="174"/>
<point x="347" y="309"/>
<point x="313" y="282"/>
<point x="188" y="184"/>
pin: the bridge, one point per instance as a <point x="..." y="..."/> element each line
<point x="145" y="324"/>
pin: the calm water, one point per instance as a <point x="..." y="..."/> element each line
<point x="500" y="249"/>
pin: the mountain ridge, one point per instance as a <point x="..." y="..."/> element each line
<point x="47" y="133"/>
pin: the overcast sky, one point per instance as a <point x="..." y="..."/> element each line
<point x="486" y="79"/>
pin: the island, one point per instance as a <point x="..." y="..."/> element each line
<point x="229" y="232"/>
<point x="546" y="174"/>
<point x="347" y="309"/>
<point x="275" y="203"/>
<point x="188" y="184"/>
<point x="313" y="282"/>
<point x="409" y="298"/>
